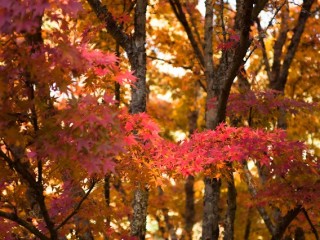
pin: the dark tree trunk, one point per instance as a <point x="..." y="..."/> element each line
<point x="189" y="210"/>
<point x="210" y="224"/>
<point x="299" y="234"/>
<point x="248" y="225"/>
<point x="231" y="210"/>
<point x="189" y="184"/>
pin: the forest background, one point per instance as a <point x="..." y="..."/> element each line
<point x="174" y="119"/>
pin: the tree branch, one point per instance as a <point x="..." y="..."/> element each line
<point x="195" y="28"/>
<point x="76" y="209"/>
<point x="297" y="33"/>
<point x="285" y="222"/>
<point x="36" y="186"/>
<point x="14" y="217"/>
<point x="112" y="26"/>
<point x="242" y="27"/>
<point x="260" y="4"/>
<point x="177" y="9"/>
<point x="314" y="230"/>
<point x="277" y="48"/>
<point x="169" y="62"/>
<point x="264" y="50"/>
<point x="253" y="192"/>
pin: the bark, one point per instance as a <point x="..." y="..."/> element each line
<point x="231" y="210"/>
<point x="284" y="222"/>
<point x="313" y="228"/>
<point x="169" y="225"/>
<point x="138" y="222"/>
<point x="243" y="23"/>
<point x="248" y="225"/>
<point x="210" y="222"/>
<point x="138" y="104"/>
<point x="189" y="210"/>
<point x="189" y="184"/>
<point x="299" y="234"/>
<point x="138" y="59"/>
<point x="278" y="73"/>
<point x="107" y="193"/>
<point x="252" y="190"/>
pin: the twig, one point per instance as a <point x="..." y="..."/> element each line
<point x="76" y="209"/>
<point x="169" y="62"/>
<point x="314" y="230"/>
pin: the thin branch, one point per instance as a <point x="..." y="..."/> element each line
<point x="36" y="186"/>
<point x="184" y="67"/>
<point x="242" y="26"/>
<point x="19" y="167"/>
<point x="194" y="25"/>
<point x="274" y="15"/>
<point x="249" y="55"/>
<point x="294" y="43"/>
<point x="169" y="62"/>
<point x="15" y="218"/>
<point x="76" y="209"/>
<point x="177" y="9"/>
<point x="224" y="32"/>
<point x="285" y="221"/>
<point x="314" y="230"/>
<point x="131" y="7"/>
<point x="264" y="50"/>
<point x="112" y="26"/>
<point x="253" y="192"/>
<point x="260" y="4"/>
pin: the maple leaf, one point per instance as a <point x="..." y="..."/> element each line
<point x="125" y="77"/>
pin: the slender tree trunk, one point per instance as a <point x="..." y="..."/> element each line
<point x="134" y="45"/>
<point x="248" y="224"/>
<point x="231" y="210"/>
<point x="189" y="184"/>
<point x="189" y="210"/>
<point x="210" y="222"/>
<point x="299" y="234"/>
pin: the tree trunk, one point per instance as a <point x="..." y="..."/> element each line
<point x="138" y="222"/>
<point x="138" y="105"/>
<point x="188" y="187"/>
<point x="134" y="45"/>
<point x="210" y="223"/>
<point x="231" y="210"/>
<point x="189" y="210"/>
<point x="299" y="234"/>
<point x="248" y="224"/>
